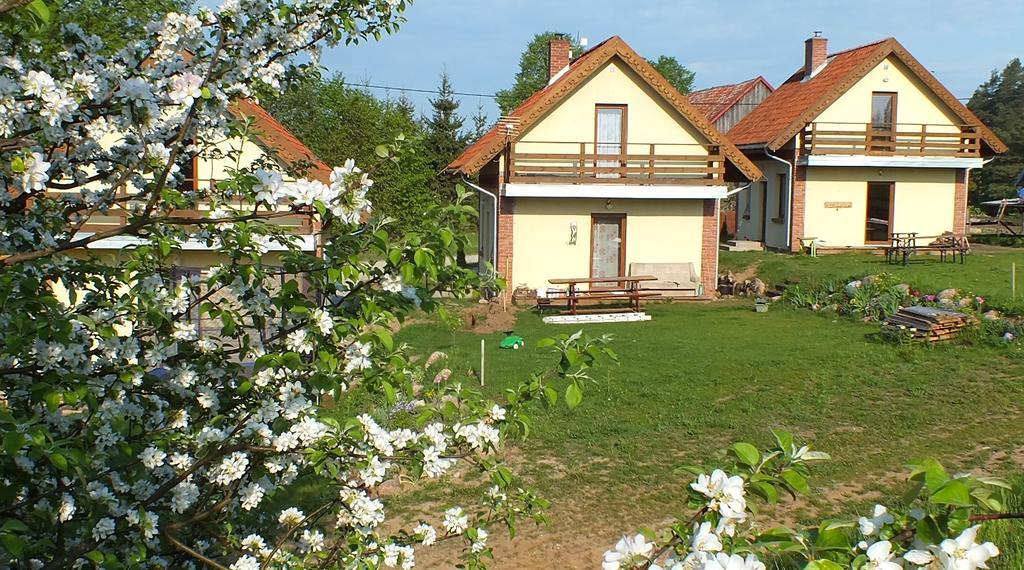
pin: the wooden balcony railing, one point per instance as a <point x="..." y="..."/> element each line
<point x="903" y="140"/>
<point x="633" y="163"/>
<point x="118" y="216"/>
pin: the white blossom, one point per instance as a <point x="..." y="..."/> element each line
<point x="628" y="551"/>
<point x="455" y="522"/>
<point x="35" y="175"/>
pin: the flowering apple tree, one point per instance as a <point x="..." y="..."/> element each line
<point x="246" y="417"/>
<point x="936" y="526"/>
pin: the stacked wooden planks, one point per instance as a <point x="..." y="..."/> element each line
<point x="930" y="323"/>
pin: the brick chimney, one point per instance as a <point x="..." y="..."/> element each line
<point x="558" y="56"/>
<point x="815" y="53"/>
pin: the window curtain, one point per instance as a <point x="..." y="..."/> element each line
<point x="609" y="138"/>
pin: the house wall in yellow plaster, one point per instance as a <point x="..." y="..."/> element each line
<point x="248" y="152"/>
<point x="915" y="102"/>
<point x="657" y="231"/>
<point x="923" y="202"/>
<point x="649" y="118"/>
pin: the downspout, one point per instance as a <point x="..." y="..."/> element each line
<point x="789" y="199"/>
<point x="494" y="225"/>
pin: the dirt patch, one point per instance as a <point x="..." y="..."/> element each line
<point x="748" y="272"/>
<point x="490" y="317"/>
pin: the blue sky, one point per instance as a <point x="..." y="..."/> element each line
<point x="479" y="41"/>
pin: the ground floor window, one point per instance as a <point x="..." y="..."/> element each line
<point x="780" y="199"/>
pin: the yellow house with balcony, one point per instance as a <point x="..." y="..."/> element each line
<point x="857" y="146"/>
<point x="265" y="141"/>
<point x="606" y="168"/>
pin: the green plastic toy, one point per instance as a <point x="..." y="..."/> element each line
<point x="512" y="341"/>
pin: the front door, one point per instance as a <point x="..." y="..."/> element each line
<point x="610" y="138"/>
<point x="878" y="226"/>
<point x="607" y="247"/>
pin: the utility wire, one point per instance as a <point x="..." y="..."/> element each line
<point x="493" y="96"/>
<point x="415" y="90"/>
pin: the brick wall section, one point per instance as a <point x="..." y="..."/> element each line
<point x="709" y="247"/>
<point x="558" y="56"/>
<point x="798" y="207"/>
<point x="960" y="203"/>
<point x="506" y="210"/>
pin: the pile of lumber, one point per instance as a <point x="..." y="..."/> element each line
<point x="930" y="323"/>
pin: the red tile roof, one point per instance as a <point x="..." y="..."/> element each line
<point x="715" y="101"/>
<point x="794" y="97"/>
<point x="480" y="147"/>
<point x="537" y="105"/>
<point x="798" y="101"/>
<point x="280" y="142"/>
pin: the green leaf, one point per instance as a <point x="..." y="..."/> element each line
<point x="746" y="453"/>
<point x="545" y="342"/>
<point x="831" y="538"/>
<point x="934" y="474"/>
<point x="573" y="395"/>
<point x="95" y="555"/>
<point x="14" y="525"/>
<point x="785" y="440"/>
<point x="59" y="461"/>
<point x="385" y="338"/>
<point x="765" y="490"/>
<point x="13" y="544"/>
<point x="381" y="151"/>
<point x="389" y="392"/>
<point x="928" y="530"/>
<point x="13" y="441"/>
<point x="822" y="564"/>
<point x="206" y="93"/>
<point x="797" y="481"/>
<point x="551" y="395"/>
<point x="954" y="492"/>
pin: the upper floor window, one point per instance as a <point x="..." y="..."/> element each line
<point x="610" y="139"/>
<point x="883" y="111"/>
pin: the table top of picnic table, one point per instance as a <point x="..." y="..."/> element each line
<point x="609" y="279"/>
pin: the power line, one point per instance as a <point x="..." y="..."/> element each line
<point x="415" y="90"/>
<point x="494" y="96"/>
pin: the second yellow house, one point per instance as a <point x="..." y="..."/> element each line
<point x="606" y="171"/>
<point x="856" y="146"/>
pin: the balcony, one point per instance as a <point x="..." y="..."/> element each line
<point x="904" y="140"/>
<point x="637" y="164"/>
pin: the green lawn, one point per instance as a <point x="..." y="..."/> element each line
<point x="700" y="376"/>
<point x="987" y="271"/>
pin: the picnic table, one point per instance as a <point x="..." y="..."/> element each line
<point x="627" y="288"/>
<point x="905" y="244"/>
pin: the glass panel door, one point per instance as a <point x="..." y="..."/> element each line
<point x="878" y="228"/>
<point x="883" y="122"/>
<point x="608" y="243"/>
<point x="610" y="137"/>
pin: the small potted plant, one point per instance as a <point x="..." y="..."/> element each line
<point x="761" y="305"/>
